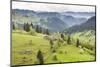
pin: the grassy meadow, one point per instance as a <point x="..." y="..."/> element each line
<point x="25" y="48"/>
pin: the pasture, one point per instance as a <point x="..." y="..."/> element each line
<point x="25" y="48"/>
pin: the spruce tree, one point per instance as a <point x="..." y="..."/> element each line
<point x="69" y="40"/>
<point x="24" y="27"/>
<point x="31" y="25"/>
<point x="47" y="32"/>
<point x="77" y="43"/>
<point x="40" y="57"/>
<point x="62" y="36"/>
<point x="40" y="29"/>
<point x="51" y="43"/>
<point x="28" y="27"/>
<point x="37" y="28"/>
<point x="13" y="26"/>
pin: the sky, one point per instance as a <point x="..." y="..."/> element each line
<point x="51" y="7"/>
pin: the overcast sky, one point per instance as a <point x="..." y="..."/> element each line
<point x="51" y="7"/>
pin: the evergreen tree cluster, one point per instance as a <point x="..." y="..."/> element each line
<point x="37" y="28"/>
<point x="26" y="27"/>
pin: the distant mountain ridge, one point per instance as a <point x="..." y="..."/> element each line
<point x="55" y="21"/>
<point x="88" y="25"/>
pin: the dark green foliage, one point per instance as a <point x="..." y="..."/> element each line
<point x="47" y="32"/>
<point x="61" y="52"/>
<point x="24" y="59"/>
<point x="26" y="27"/>
<point x="40" y="57"/>
<point x="51" y="43"/>
<point x="40" y="29"/>
<point x="53" y="51"/>
<point x="37" y="28"/>
<point x="13" y="26"/>
<point x="62" y="36"/>
<point x="31" y="25"/>
<point x="69" y="40"/>
<point x="55" y="58"/>
<point x="77" y="43"/>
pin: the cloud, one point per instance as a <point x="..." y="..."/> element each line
<point x="51" y="7"/>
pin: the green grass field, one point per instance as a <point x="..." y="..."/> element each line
<point x="26" y="46"/>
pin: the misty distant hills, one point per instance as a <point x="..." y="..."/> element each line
<point x="80" y="14"/>
<point x="55" y="21"/>
<point x="71" y="21"/>
<point x="88" y="25"/>
<point x="56" y="24"/>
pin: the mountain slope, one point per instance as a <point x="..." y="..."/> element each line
<point x="56" y="24"/>
<point x="71" y="21"/>
<point x="88" y="25"/>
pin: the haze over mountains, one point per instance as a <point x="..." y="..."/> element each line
<point x="55" y="21"/>
<point x="88" y="25"/>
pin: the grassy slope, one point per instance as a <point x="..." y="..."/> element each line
<point x="20" y="43"/>
<point x="86" y="36"/>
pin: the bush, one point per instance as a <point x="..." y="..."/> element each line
<point x="53" y="51"/>
<point x="55" y="58"/>
<point x="60" y="52"/>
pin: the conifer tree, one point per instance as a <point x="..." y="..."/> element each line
<point x="69" y="40"/>
<point x="40" y="57"/>
<point x="13" y="26"/>
<point x="51" y="43"/>
<point x="62" y="36"/>
<point x="37" y="28"/>
<point x="47" y="32"/>
<point x="77" y="43"/>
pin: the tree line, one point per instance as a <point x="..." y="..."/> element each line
<point x="27" y="27"/>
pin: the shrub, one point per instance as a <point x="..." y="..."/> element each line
<point x="60" y="52"/>
<point x="53" y="50"/>
<point x="55" y="58"/>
